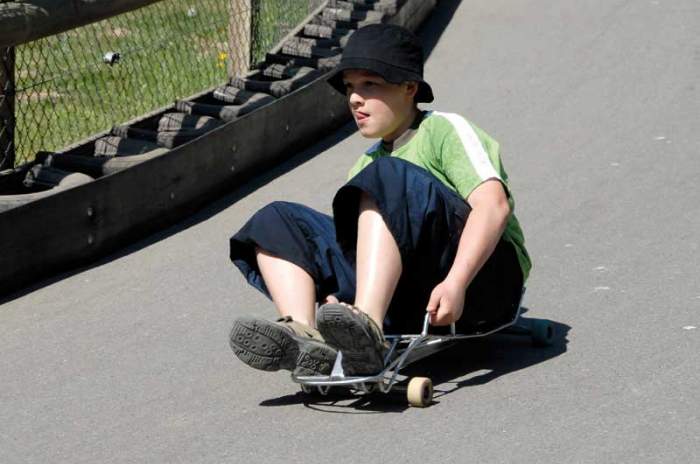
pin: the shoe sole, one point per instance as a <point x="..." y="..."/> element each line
<point x="341" y="330"/>
<point x="267" y="346"/>
<point x="263" y="344"/>
<point x="315" y="358"/>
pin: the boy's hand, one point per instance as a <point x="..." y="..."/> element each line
<point x="446" y="302"/>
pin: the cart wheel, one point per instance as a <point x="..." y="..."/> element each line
<point x="542" y="333"/>
<point x="420" y="392"/>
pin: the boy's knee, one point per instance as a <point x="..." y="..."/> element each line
<point x="269" y="217"/>
<point x="273" y="210"/>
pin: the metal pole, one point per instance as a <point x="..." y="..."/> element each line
<point x="7" y="108"/>
<point x="239" y="37"/>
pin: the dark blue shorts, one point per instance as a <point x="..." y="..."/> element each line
<point x="426" y="219"/>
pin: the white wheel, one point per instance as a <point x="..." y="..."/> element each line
<point x="420" y="392"/>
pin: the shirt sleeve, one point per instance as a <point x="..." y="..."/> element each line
<point x="463" y="158"/>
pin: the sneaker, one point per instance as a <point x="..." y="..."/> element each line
<point x="282" y="344"/>
<point x="353" y="332"/>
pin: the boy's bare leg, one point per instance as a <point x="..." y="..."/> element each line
<point x="378" y="262"/>
<point x="274" y="345"/>
<point x="291" y="287"/>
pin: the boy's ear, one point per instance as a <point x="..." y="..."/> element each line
<point x="412" y="88"/>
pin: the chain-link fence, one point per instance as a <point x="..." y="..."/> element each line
<point x="81" y="82"/>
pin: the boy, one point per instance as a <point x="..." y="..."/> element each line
<point x="425" y="223"/>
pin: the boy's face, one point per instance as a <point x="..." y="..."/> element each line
<point x="381" y="109"/>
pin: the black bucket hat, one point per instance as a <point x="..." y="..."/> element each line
<point x="391" y="51"/>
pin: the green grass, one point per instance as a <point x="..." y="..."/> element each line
<point x="169" y="50"/>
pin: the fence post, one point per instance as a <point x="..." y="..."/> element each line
<point x="7" y="108"/>
<point x="239" y="37"/>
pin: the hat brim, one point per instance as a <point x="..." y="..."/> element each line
<point x="389" y="73"/>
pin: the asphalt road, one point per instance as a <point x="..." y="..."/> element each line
<point x="597" y="107"/>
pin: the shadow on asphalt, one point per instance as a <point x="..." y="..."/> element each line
<point x="430" y="33"/>
<point x="469" y="363"/>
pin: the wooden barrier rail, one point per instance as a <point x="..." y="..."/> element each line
<point x="24" y="21"/>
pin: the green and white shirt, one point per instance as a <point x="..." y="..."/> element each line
<point x="460" y="155"/>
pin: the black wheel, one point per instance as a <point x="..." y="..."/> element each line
<point x="542" y="333"/>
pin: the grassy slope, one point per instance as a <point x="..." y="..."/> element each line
<point x="169" y="50"/>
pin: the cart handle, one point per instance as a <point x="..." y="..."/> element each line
<point x="453" y="329"/>
<point x="426" y="324"/>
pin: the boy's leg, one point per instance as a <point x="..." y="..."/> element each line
<point x="389" y="216"/>
<point x="291" y="288"/>
<point x="288" y="252"/>
<point x="378" y="266"/>
<point x="423" y="219"/>
<point x="357" y="330"/>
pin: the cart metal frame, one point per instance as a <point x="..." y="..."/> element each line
<point x="407" y="349"/>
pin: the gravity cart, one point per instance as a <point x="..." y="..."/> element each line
<point x="407" y="349"/>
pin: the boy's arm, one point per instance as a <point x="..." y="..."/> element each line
<point x="485" y="225"/>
